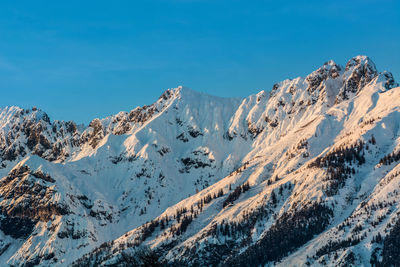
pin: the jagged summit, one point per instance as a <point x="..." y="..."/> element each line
<point x="361" y="62"/>
<point x="332" y="84"/>
<point x="330" y="70"/>
<point x="31" y="130"/>
<point x="34" y="113"/>
<point x="359" y="71"/>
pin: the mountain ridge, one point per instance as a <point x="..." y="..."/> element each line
<point x="204" y="180"/>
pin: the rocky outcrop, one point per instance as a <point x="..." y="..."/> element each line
<point x="359" y="71"/>
<point x="27" y="194"/>
<point x="329" y="70"/>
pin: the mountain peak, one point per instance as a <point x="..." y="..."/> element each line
<point x="186" y="91"/>
<point x="361" y="67"/>
<point x="359" y="71"/>
<point x="330" y="63"/>
<point x="329" y="70"/>
<point x="360" y="60"/>
<point x="34" y="114"/>
<point x="179" y="92"/>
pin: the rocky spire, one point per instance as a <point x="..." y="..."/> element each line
<point x="359" y="71"/>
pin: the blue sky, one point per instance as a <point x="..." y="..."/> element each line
<point x="79" y="60"/>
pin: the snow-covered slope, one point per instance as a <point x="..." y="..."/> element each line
<point x="305" y="174"/>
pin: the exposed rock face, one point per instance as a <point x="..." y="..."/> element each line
<point x="329" y="70"/>
<point x="359" y="71"/>
<point x="30" y="131"/>
<point x="30" y="195"/>
<point x="389" y="80"/>
<point x="16" y="227"/>
<point x="95" y="133"/>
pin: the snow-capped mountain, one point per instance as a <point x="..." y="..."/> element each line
<point x="306" y="174"/>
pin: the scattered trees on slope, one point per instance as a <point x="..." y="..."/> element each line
<point x="391" y="249"/>
<point x="390" y="158"/>
<point x="339" y="164"/>
<point x="236" y="193"/>
<point x="290" y="231"/>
